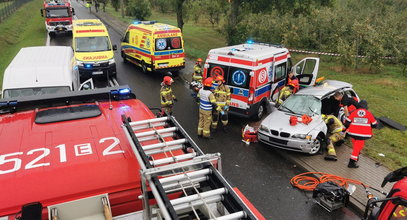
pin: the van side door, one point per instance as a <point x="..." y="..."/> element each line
<point x="278" y="79"/>
<point x="307" y="71"/>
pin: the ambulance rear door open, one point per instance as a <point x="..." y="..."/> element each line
<point x="307" y="71"/>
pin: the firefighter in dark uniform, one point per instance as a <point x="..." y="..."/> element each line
<point x="166" y="95"/>
<point x="207" y="102"/>
<point x="222" y="96"/>
<point x="335" y="133"/>
<point x="360" y="123"/>
<point x="291" y="87"/>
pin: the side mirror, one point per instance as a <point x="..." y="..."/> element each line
<point x="114" y="47"/>
<point x="42" y="12"/>
<point x="88" y="84"/>
<point x="73" y="11"/>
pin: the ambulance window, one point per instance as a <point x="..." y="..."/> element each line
<point x="126" y="37"/>
<point x="239" y="77"/>
<point x="215" y="70"/>
<point x="281" y="72"/>
<point x="170" y="43"/>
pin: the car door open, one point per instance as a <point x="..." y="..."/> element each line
<point x="307" y="71"/>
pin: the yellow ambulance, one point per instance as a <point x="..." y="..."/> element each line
<point x="93" y="50"/>
<point x="153" y="46"/>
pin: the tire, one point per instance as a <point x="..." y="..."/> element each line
<point x="124" y="57"/>
<point x="260" y="111"/>
<point x="144" y="67"/>
<point x="318" y="142"/>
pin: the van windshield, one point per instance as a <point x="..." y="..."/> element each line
<point x="92" y="44"/>
<point x="170" y="43"/>
<point x="14" y="93"/>
<point x="57" y="13"/>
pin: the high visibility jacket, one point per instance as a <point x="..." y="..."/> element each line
<point x="361" y="122"/>
<point x="167" y="98"/>
<point x="335" y="127"/>
<point x="197" y="75"/>
<point x="294" y="83"/>
<point x="222" y="95"/>
<point x="206" y="99"/>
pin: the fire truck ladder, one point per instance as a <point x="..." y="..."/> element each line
<point x="180" y="178"/>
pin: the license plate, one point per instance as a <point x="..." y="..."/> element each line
<point x="97" y="73"/>
<point x="163" y="64"/>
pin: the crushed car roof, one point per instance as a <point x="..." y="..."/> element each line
<point x="327" y="87"/>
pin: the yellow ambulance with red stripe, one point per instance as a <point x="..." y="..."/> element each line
<point x="92" y="49"/>
<point x="153" y="46"/>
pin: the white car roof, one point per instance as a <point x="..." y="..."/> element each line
<point x="250" y="51"/>
<point x="45" y="66"/>
<point x="327" y="87"/>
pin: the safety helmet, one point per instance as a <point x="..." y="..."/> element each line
<point x="208" y="82"/>
<point x="219" y="78"/>
<point x="199" y="60"/>
<point x="324" y="116"/>
<point x="168" y="80"/>
<point x="363" y="104"/>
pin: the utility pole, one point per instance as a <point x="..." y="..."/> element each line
<point x="122" y="7"/>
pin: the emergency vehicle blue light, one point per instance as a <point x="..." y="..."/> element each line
<point x="125" y="91"/>
<point x="88" y="65"/>
<point x="249" y="42"/>
<point x="137" y="22"/>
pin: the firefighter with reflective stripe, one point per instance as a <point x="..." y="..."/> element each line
<point x="291" y="87"/>
<point x="335" y="133"/>
<point x="197" y="75"/>
<point x="360" y="123"/>
<point x="222" y="96"/>
<point x="207" y="102"/>
<point x="166" y="95"/>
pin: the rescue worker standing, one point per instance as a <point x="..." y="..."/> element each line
<point x="291" y="87"/>
<point x="197" y="75"/>
<point x="360" y="123"/>
<point x="206" y="103"/>
<point x="166" y="95"/>
<point x="335" y="134"/>
<point x="222" y="96"/>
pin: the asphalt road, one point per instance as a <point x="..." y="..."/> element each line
<point x="259" y="171"/>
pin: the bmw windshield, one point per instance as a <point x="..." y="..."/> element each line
<point x="302" y="104"/>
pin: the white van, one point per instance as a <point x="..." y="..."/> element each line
<point x="41" y="70"/>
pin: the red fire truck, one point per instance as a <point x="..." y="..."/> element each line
<point x="256" y="72"/>
<point x="58" y="16"/>
<point x="102" y="154"/>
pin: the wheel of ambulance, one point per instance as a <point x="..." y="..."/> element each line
<point x="144" y="67"/>
<point x="124" y="57"/>
<point x="260" y="111"/>
<point x="316" y="146"/>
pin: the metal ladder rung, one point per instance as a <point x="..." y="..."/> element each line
<point x="159" y="131"/>
<point x="233" y="216"/>
<point x="188" y="199"/>
<point x="184" y="176"/>
<point x="155" y="137"/>
<point x="162" y="119"/>
<point x="163" y="150"/>
<point x="195" y="203"/>
<point x="184" y="183"/>
<point x="141" y="127"/>
<point x="173" y="159"/>
<point x="164" y="144"/>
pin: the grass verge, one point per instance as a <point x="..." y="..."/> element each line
<point x="22" y="29"/>
<point x="386" y="91"/>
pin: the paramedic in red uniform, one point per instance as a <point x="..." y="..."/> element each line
<point x="291" y="87"/>
<point x="360" y="123"/>
<point x="349" y="104"/>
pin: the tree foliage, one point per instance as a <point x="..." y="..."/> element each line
<point x="139" y="9"/>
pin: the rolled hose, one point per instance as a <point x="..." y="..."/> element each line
<point x="309" y="181"/>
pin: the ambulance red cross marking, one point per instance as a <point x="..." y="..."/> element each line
<point x="262" y="76"/>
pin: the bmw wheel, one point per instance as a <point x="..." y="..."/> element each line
<point x="316" y="146"/>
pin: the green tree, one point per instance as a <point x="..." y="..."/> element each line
<point x="115" y="4"/>
<point x="139" y="9"/>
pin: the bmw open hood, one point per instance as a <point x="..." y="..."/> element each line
<point x="280" y="121"/>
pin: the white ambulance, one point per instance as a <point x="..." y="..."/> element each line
<point x="255" y="73"/>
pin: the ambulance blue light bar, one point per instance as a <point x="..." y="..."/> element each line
<point x="88" y="66"/>
<point x="136" y="22"/>
<point x="124" y="91"/>
<point x="250" y="42"/>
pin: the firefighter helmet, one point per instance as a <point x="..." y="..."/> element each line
<point x="219" y="78"/>
<point x="208" y="82"/>
<point x="199" y="60"/>
<point x="168" y="80"/>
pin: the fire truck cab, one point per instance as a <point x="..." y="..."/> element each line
<point x="58" y="16"/>
<point x="102" y="153"/>
<point x="255" y="73"/>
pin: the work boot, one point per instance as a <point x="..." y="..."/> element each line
<point x="331" y="157"/>
<point x="207" y="137"/>
<point x="352" y="164"/>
